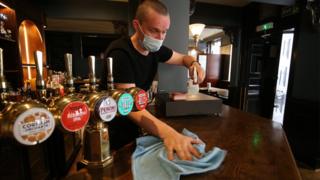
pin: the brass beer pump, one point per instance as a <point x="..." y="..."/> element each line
<point x="72" y="115"/>
<point x="28" y="121"/>
<point x="103" y="108"/>
<point x="70" y="112"/>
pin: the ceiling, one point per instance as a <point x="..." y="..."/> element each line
<point x="236" y="3"/>
<point x="207" y="32"/>
<point x="241" y="3"/>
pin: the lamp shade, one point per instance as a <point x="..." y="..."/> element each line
<point x="196" y="28"/>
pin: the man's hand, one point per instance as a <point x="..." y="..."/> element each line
<point x="181" y="145"/>
<point x="189" y="62"/>
<point x="199" y="72"/>
<point x="174" y="142"/>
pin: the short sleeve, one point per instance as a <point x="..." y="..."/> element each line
<point x="164" y="54"/>
<point x="122" y="67"/>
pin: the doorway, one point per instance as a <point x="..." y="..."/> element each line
<point x="262" y="71"/>
<point x="283" y="76"/>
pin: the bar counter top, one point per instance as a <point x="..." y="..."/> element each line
<point x="257" y="148"/>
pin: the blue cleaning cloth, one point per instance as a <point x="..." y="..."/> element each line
<point x="150" y="162"/>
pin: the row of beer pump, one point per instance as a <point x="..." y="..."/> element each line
<point x="32" y="121"/>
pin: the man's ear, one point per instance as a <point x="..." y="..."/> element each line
<point x="135" y="24"/>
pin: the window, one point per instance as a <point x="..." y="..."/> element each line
<point x="215" y="46"/>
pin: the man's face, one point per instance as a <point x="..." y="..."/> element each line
<point x="155" y="25"/>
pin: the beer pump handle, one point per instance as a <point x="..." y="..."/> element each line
<point x="68" y="66"/>
<point x="110" y="73"/>
<point x="39" y="67"/>
<point x="40" y="83"/>
<point x="3" y="82"/>
<point x="92" y="69"/>
<point x="1" y="63"/>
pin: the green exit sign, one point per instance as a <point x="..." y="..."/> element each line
<point x="264" y="27"/>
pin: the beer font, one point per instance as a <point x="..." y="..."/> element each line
<point x="70" y="112"/>
<point x="103" y="108"/>
<point x="27" y="121"/>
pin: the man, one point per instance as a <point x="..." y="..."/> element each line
<point x="135" y="65"/>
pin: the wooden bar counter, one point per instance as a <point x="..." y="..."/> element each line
<point x="257" y="148"/>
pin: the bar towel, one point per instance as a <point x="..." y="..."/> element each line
<point x="150" y="162"/>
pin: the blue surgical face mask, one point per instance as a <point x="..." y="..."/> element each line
<point x="150" y="43"/>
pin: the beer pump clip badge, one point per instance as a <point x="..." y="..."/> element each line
<point x="33" y="126"/>
<point x="106" y="109"/>
<point x="125" y="104"/>
<point x="75" y="116"/>
<point x="141" y="100"/>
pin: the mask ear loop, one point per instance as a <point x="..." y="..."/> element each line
<point x="140" y="29"/>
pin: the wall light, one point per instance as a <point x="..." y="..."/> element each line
<point x="196" y="29"/>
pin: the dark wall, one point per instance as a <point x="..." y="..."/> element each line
<point x="217" y="15"/>
<point x="81" y="44"/>
<point x="132" y="6"/>
<point x="84" y="9"/>
<point x="302" y="120"/>
<point x="279" y="2"/>
<point x="306" y="79"/>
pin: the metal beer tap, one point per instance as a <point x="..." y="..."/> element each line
<point x="124" y="100"/>
<point x="70" y="112"/>
<point x="103" y="108"/>
<point x="140" y="97"/>
<point x="27" y="121"/>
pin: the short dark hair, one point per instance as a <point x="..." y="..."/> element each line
<point x="156" y="5"/>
